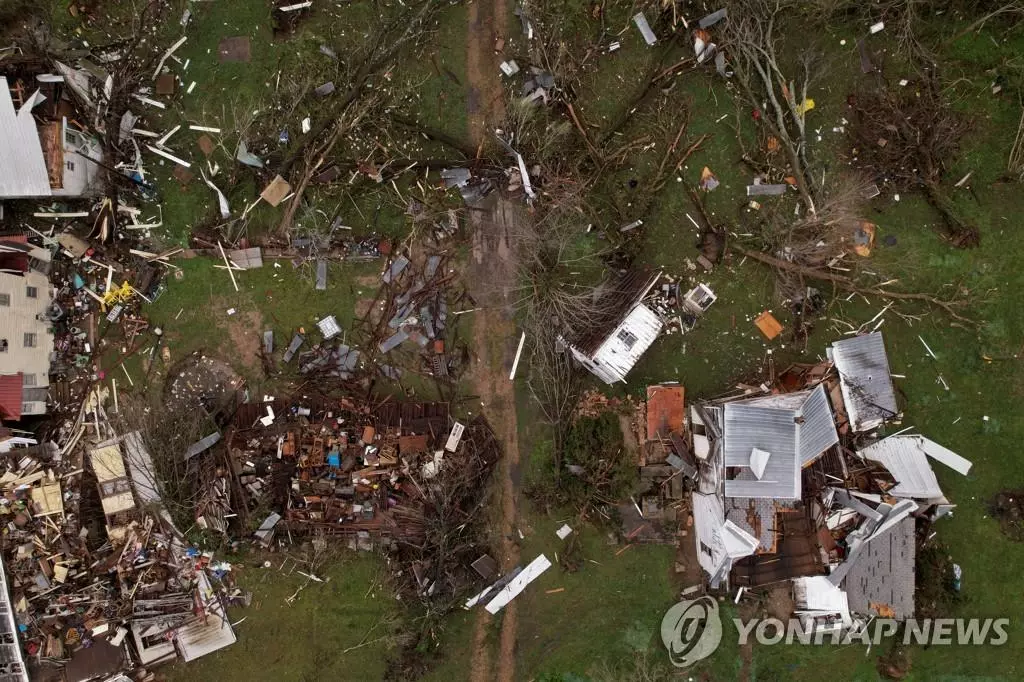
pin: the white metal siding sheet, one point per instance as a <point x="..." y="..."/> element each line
<point x="908" y="464"/>
<point x="518" y="583"/>
<point x="22" y="166"/>
<point x="954" y="461"/>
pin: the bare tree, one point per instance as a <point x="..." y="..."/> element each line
<point x="751" y="43"/>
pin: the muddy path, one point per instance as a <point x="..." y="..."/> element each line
<point x="492" y="270"/>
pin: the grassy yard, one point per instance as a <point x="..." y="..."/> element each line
<point x="609" y="610"/>
<point x="314" y="638"/>
<point x="976" y="416"/>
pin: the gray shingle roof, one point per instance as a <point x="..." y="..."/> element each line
<point x="883" y="572"/>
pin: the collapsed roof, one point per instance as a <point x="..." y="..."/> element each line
<point x="766" y="510"/>
<point x="770" y="439"/>
<point x="865" y="381"/>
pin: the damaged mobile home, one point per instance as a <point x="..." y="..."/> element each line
<point x="42" y="152"/>
<point x="794" y="485"/>
<point x="613" y="344"/>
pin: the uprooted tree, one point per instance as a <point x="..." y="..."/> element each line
<point x="908" y="136"/>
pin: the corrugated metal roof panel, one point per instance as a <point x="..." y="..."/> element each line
<point x="864" y="378"/>
<point x="908" y="464"/>
<point x="773" y="430"/>
<point x="818" y="430"/>
<point x="22" y="165"/>
<point x="10" y="396"/>
<point x="793" y="428"/>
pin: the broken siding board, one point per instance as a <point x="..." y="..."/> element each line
<point x="394" y="341"/>
<point x="395" y="269"/>
<point x="713" y="18"/>
<point x="515" y="587"/>
<point x="293" y="347"/>
<point x="202" y="445"/>
<point x="954" y="461"/>
<point x="766" y="190"/>
<point x="321" y="275"/>
<point x="645" y="28"/>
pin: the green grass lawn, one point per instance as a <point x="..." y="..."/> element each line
<point x="306" y="640"/>
<point x="610" y="609"/>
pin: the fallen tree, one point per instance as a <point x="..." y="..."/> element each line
<point x="950" y="306"/>
<point x="908" y="136"/>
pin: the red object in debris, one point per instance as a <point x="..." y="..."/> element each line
<point x="10" y="396"/>
<point x="384" y="247"/>
<point x="756" y="114"/>
<point x="89" y="252"/>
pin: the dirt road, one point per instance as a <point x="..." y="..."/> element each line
<point x="492" y="269"/>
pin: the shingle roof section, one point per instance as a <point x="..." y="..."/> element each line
<point x="883" y="573"/>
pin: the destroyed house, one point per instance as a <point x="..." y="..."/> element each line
<point x="26" y="334"/>
<point x="777" y="500"/>
<point x="624" y="329"/>
<point x="42" y="151"/>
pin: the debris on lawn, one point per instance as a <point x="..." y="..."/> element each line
<point x="82" y="583"/>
